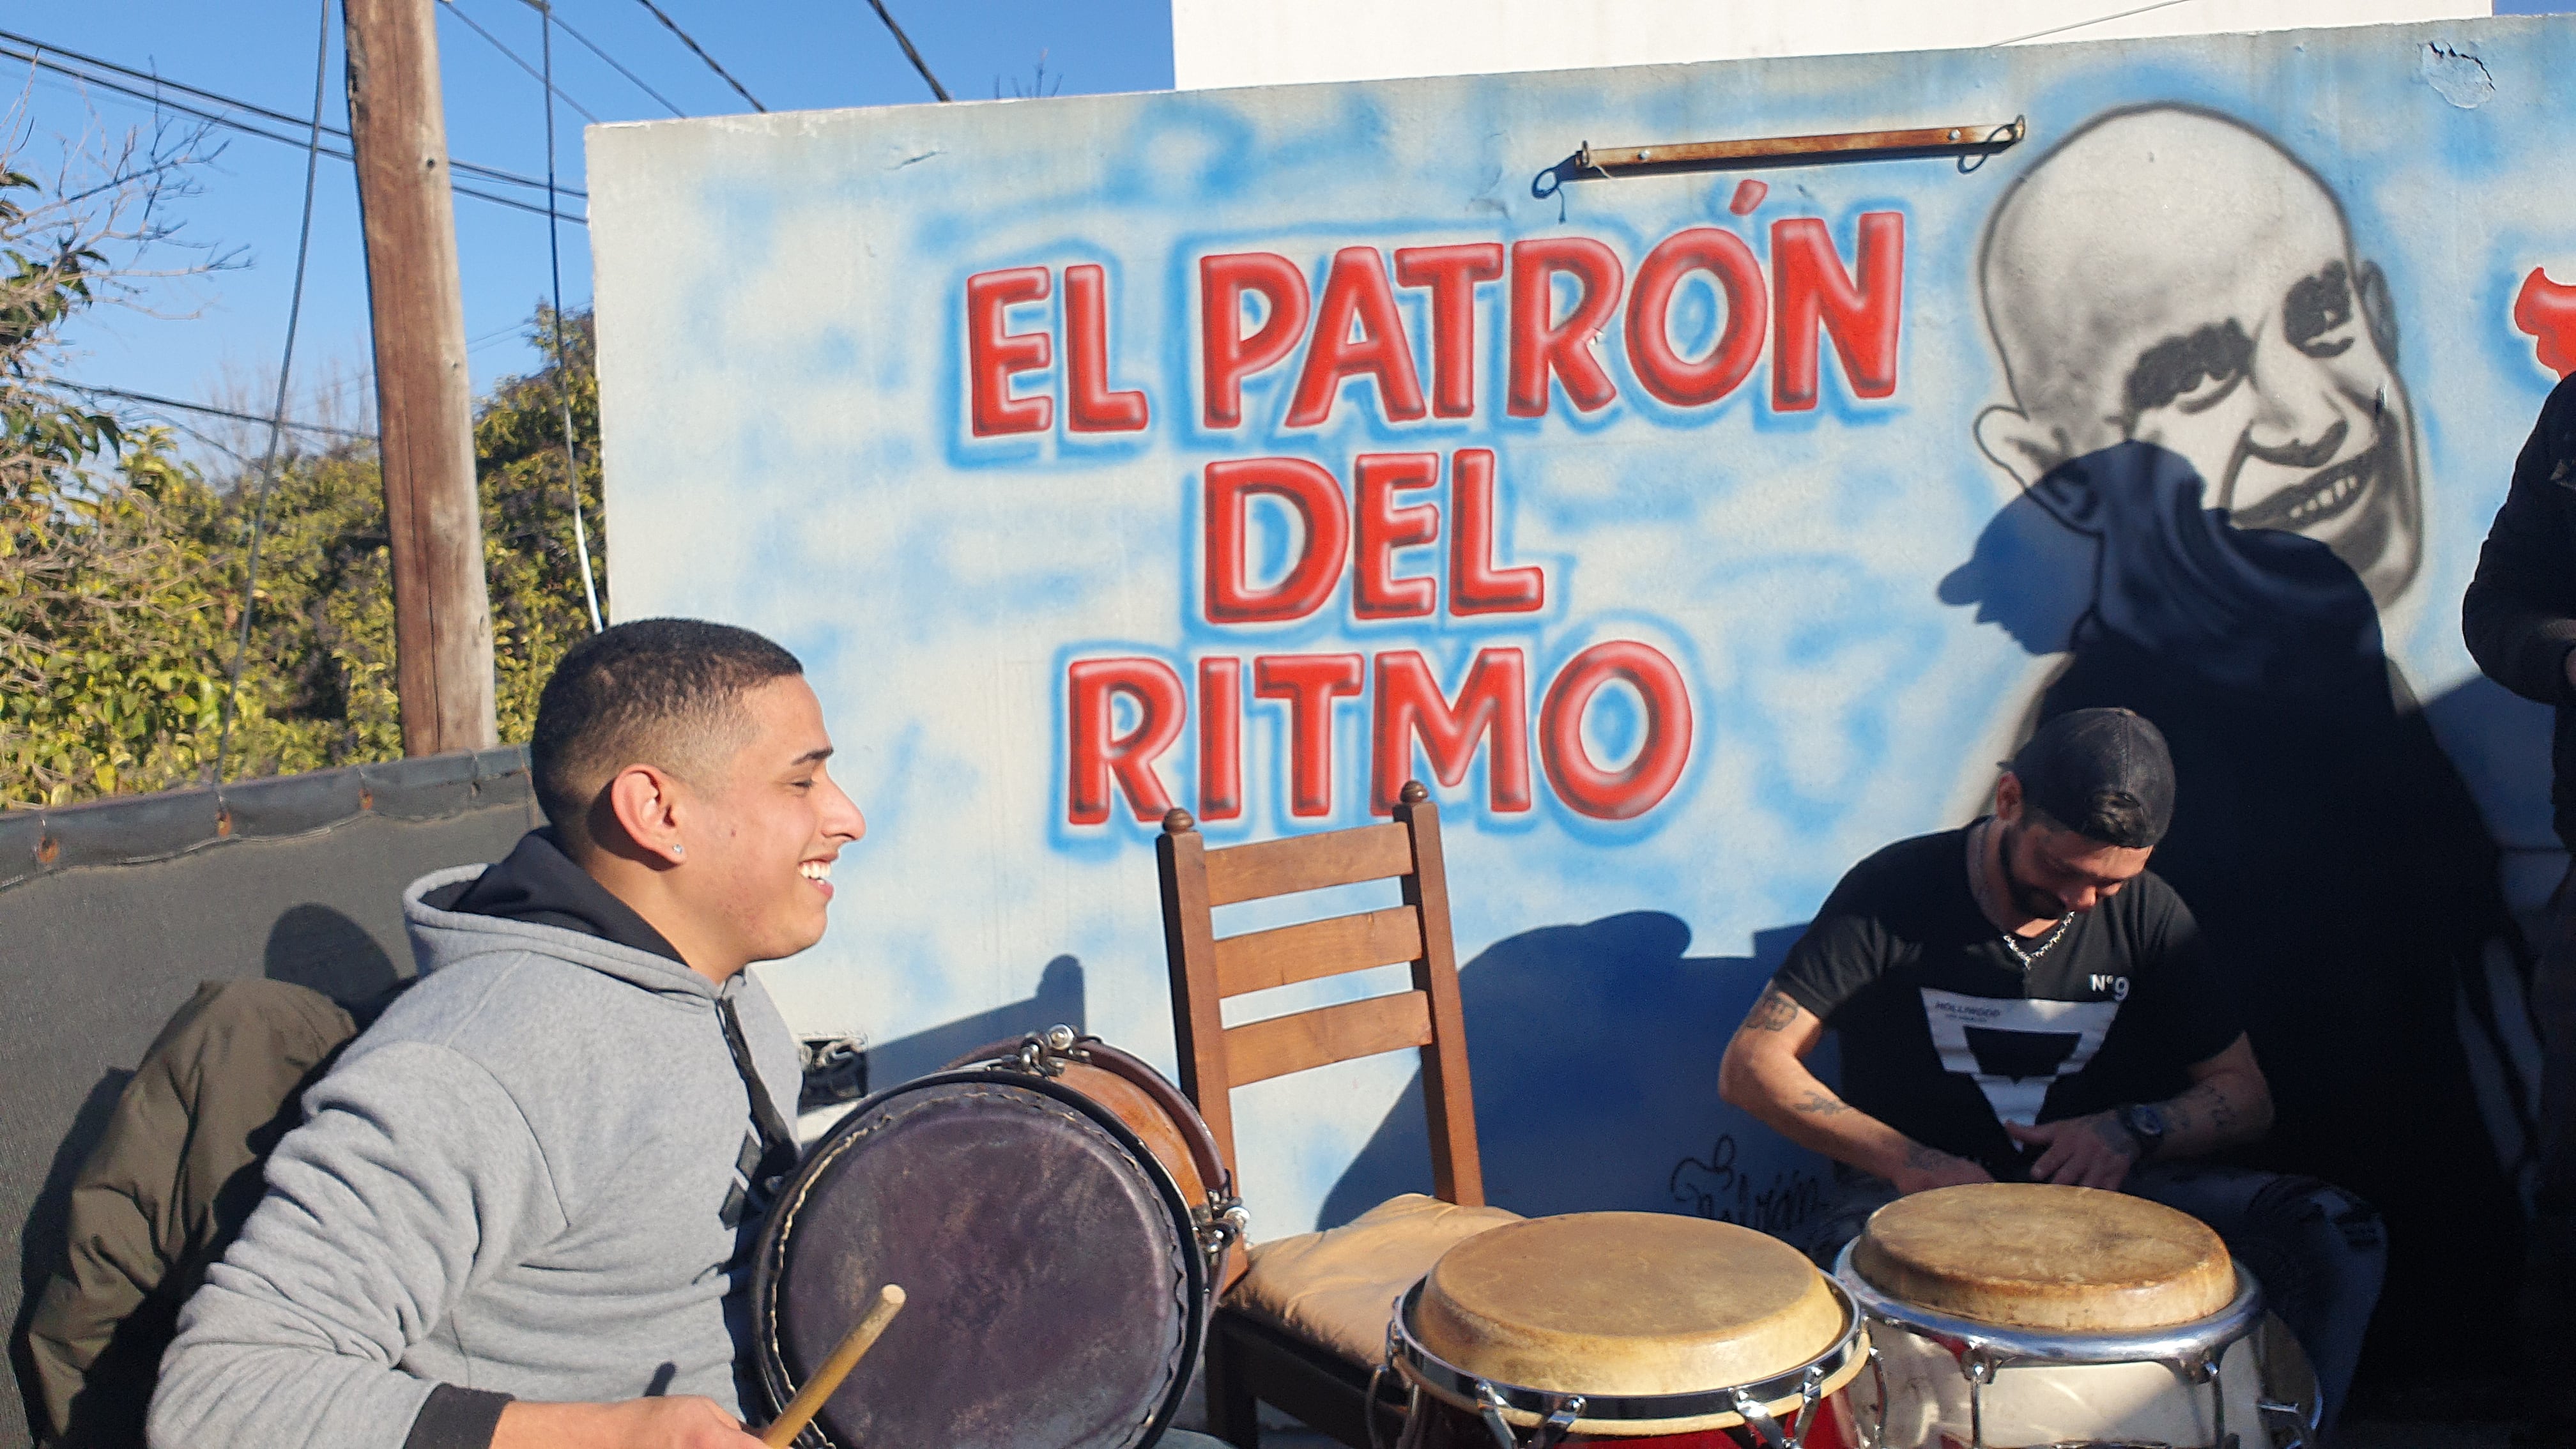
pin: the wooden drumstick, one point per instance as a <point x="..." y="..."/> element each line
<point x="809" y="1399"/>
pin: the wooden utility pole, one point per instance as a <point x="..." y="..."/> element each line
<point x="424" y="398"/>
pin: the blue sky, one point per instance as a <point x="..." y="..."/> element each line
<point x="792" y="54"/>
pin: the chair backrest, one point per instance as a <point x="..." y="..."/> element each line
<point x="1216" y="1059"/>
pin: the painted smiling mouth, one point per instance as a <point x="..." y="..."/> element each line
<point x="2328" y="495"/>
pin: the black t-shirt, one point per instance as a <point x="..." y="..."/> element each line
<point x="1945" y="1036"/>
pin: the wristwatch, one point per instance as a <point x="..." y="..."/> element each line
<point x="2147" y="1125"/>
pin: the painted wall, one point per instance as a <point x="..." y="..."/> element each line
<point x="1698" y="534"/>
<point x="1230" y="43"/>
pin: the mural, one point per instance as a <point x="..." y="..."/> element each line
<point x="1691" y="534"/>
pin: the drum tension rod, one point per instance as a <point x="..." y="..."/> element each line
<point x="1550" y="1432"/>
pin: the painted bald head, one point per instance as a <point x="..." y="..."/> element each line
<point x="659" y="692"/>
<point x="2171" y="276"/>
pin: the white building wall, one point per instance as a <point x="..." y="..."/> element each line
<point x="1282" y="42"/>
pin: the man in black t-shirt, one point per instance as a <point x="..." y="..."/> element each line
<point x="2022" y="1000"/>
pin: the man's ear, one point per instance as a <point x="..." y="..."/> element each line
<point x="2035" y="456"/>
<point x="646" y="805"/>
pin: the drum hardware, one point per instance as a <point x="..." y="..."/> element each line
<point x="1557" y="1413"/>
<point x="2190" y="1351"/>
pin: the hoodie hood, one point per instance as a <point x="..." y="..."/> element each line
<point x="443" y="937"/>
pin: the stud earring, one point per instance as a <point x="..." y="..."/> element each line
<point x="678" y="850"/>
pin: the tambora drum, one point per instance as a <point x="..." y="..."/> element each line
<point x="1059" y="1219"/>
<point x="2019" y="1314"/>
<point x="1640" y="1328"/>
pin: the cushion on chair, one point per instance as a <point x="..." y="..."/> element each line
<point x="1335" y="1288"/>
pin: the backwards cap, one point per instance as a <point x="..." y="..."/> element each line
<point x="2076" y="758"/>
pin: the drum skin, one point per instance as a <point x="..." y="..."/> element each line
<point x="1056" y="1293"/>
<point x="2041" y="1256"/>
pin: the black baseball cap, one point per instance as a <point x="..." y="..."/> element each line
<point x="2103" y="773"/>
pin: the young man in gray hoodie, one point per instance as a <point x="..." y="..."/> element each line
<point x="519" y="1206"/>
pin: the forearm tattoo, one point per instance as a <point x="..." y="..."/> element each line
<point x="1772" y="1011"/>
<point x="1818" y="1103"/>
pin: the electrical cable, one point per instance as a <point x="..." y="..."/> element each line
<point x="2081" y="24"/>
<point x="285" y="370"/>
<point x="674" y="27"/>
<point x="541" y="78"/>
<point x="542" y="8"/>
<point x="154" y="400"/>
<point x="909" y="53"/>
<point x="34" y="54"/>
<point x="563" y="360"/>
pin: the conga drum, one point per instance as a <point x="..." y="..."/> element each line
<point x="2018" y="1314"/>
<point x="1059" y="1219"/>
<point x="1638" y="1328"/>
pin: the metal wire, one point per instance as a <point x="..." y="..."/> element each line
<point x="674" y="27"/>
<point x="563" y="360"/>
<point x="285" y="371"/>
<point x="542" y="8"/>
<point x="544" y="78"/>
<point x="909" y="53"/>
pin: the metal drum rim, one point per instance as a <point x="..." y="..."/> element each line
<point x="2202" y="1338"/>
<point x="1408" y="1355"/>
<point x="768" y="1255"/>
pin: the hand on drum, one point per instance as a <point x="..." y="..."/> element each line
<point x="1928" y="1167"/>
<point x="2093" y="1151"/>
<point x="677" y="1423"/>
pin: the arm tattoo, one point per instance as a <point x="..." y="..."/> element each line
<point x="1821" y="1104"/>
<point x="1919" y="1155"/>
<point x="1773" y="1011"/>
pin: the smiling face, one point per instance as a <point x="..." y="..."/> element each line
<point x="763" y="833"/>
<point x="2171" y="277"/>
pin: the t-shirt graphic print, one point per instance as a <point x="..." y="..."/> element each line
<point x="1946" y="1036"/>
<point x="2015" y="1050"/>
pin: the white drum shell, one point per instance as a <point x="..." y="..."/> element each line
<point x="2050" y="1404"/>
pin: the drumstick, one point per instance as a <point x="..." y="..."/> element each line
<point x="809" y="1399"/>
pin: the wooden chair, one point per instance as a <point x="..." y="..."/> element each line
<point x="1252" y="1357"/>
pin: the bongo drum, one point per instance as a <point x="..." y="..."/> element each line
<point x="1639" y="1328"/>
<point x="2018" y="1314"/>
<point x="1059" y="1218"/>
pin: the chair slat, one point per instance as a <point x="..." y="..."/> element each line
<point x="1307" y="863"/>
<point x="1260" y="960"/>
<point x="1285" y="1044"/>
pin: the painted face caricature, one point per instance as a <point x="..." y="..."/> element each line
<point x="2171" y="277"/>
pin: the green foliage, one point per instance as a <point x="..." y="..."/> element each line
<point x="122" y="571"/>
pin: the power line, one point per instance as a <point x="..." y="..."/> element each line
<point x="546" y="10"/>
<point x="563" y="361"/>
<point x="909" y="53"/>
<point x="35" y="55"/>
<point x="674" y="27"/>
<point x="154" y="400"/>
<point x="541" y="78"/>
<point x="2081" y="24"/>
<point x="285" y="369"/>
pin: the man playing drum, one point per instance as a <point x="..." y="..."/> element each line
<point x="2022" y="1000"/>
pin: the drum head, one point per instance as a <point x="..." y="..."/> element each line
<point x="1056" y="1295"/>
<point x="2036" y="1255"/>
<point x="1636" y="1304"/>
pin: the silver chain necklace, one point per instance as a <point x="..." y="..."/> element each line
<point x="1977" y="887"/>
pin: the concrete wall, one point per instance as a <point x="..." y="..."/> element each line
<point x="1234" y="43"/>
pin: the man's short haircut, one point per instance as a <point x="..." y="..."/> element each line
<point x="660" y="692"/>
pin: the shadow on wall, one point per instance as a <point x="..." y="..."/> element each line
<point x="40" y="1243"/>
<point x="1058" y="1000"/>
<point x="1593" y="1049"/>
<point x="317" y="947"/>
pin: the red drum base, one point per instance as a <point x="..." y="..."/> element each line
<point x="1438" y="1424"/>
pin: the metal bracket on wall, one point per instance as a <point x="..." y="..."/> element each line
<point x="1600" y="162"/>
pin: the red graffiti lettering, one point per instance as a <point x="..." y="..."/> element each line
<point x="1089" y="405"/>
<point x="1662" y="371"/>
<point x="1226" y="354"/>
<point x="2546" y="311"/>
<point x="994" y="356"/>
<point x="1220" y="739"/>
<point x="1452" y="274"/>
<point x="1492" y="706"/>
<point x="1814" y="290"/>
<point x="1383" y="528"/>
<point x="1357" y="294"/>
<point x="1099" y="754"/>
<point x="1309" y="683"/>
<point x="1641" y="785"/>
<point x="1324" y="539"/>
<point x="1542" y="345"/>
<point x="1476" y="584"/>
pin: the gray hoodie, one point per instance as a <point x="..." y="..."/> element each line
<point x="516" y="1181"/>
